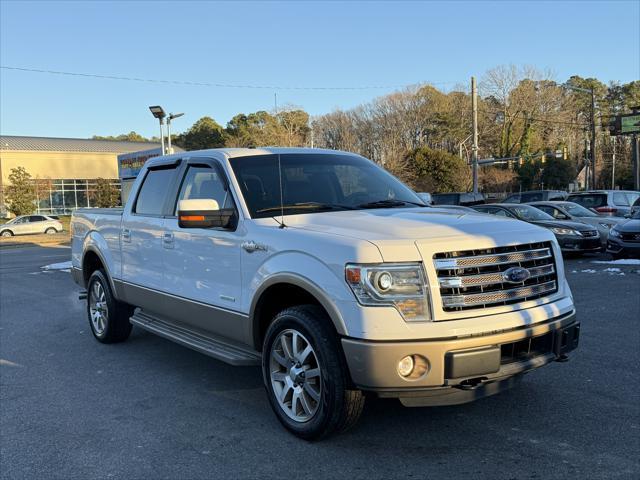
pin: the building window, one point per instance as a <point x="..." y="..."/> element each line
<point x="65" y="195"/>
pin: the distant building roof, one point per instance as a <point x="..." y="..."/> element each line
<point x="10" y="142"/>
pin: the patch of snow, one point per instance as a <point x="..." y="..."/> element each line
<point x="64" y="266"/>
<point x="588" y="270"/>
<point x="622" y="261"/>
<point x="613" y="270"/>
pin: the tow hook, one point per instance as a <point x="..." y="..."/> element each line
<point x="82" y="295"/>
<point x="471" y="384"/>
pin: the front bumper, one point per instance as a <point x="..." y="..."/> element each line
<point x="460" y="369"/>
<point x="579" y="244"/>
<point x="617" y="246"/>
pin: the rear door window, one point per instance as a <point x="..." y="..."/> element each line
<point x="36" y="218"/>
<point x="153" y="193"/>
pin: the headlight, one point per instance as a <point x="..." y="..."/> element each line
<point x="614" y="233"/>
<point x="564" y="231"/>
<point x="400" y="285"/>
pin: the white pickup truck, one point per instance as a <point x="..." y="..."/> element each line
<point x="331" y="274"/>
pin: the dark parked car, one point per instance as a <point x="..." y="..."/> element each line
<point x="536" y="196"/>
<point x="615" y="203"/>
<point x="577" y="213"/>
<point x="459" y="198"/>
<point x="456" y="208"/>
<point x="573" y="237"/>
<point x="624" y="238"/>
<point x="635" y="207"/>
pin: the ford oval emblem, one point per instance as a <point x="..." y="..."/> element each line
<point x="516" y="275"/>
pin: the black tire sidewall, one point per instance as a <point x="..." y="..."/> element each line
<point x="6" y="231"/>
<point x="332" y="389"/>
<point x="100" y="276"/>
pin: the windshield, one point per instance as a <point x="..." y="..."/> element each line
<point x="317" y="182"/>
<point x="578" y="210"/>
<point x="530" y="214"/>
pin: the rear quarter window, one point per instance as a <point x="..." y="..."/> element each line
<point x="620" y="199"/>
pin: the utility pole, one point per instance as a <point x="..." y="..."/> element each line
<point x="593" y="138"/>
<point x="635" y="149"/>
<point x="613" y="165"/>
<point x="474" y="107"/>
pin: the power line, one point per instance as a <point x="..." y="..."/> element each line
<point x="538" y="119"/>
<point x="210" y="84"/>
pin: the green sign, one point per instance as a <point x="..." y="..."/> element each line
<point x="630" y="123"/>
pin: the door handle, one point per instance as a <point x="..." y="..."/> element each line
<point x="251" y="246"/>
<point x="167" y="240"/>
<point x="126" y="235"/>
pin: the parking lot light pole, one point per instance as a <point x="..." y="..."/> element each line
<point x="169" y="118"/>
<point x="158" y="112"/>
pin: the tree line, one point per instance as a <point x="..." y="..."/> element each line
<point x="423" y="135"/>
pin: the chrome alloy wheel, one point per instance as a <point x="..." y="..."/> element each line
<point x="98" y="308"/>
<point x="295" y="375"/>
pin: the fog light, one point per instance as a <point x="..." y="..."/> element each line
<point x="405" y="366"/>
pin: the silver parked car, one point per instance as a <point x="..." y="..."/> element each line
<point x="26" y="224"/>
<point x="577" y="213"/>
<point x="613" y="203"/>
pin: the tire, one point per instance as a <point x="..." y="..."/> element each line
<point x="6" y="233"/>
<point x="108" y="318"/>
<point x="50" y="231"/>
<point x="326" y="402"/>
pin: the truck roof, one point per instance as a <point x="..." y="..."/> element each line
<point x="244" y="152"/>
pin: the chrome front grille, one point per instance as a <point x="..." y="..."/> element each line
<point x="589" y="233"/>
<point x="479" y="278"/>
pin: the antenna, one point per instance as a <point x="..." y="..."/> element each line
<point x="282" y="225"/>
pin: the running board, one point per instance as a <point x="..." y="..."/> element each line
<point x="215" y="348"/>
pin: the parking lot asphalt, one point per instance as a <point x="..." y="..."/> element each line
<point x="148" y="408"/>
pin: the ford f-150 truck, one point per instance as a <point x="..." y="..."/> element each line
<point x="328" y="272"/>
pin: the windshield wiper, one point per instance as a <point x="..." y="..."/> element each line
<point x="389" y="203"/>
<point x="307" y="205"/>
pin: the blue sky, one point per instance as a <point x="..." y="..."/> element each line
<point x="304" y="44"/>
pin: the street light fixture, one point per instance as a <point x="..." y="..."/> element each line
<point x="158" y="112"/>
<point x="169" y="118"/>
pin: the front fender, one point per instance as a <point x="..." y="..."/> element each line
<point x="309" y="274"/>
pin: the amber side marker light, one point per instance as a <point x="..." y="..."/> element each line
<point x="192" y="218"/>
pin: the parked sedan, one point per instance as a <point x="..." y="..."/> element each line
<point x="27" y="224"/>
<point x="573" y="237"/>
<point x="624" y="238"/>
<point x="577" y="213"/>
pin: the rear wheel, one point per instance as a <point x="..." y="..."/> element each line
<point x="306" y="376"/>
<point x="50" y="231"/>
<point x="6" y="233"/>
<point x="108" y="318"/>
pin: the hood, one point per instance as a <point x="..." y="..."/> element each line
<point x="407" y="224"/>
<point x="630" y="226"/>
<point x="563" y="224"/>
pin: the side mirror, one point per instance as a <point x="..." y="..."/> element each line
<point x="425" y="197"/>
<point x="203" y="213"/>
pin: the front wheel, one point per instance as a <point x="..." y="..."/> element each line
<point x="306" y="376"/>
<point x="50" y="231"/>
<point x="6" y="233"/>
